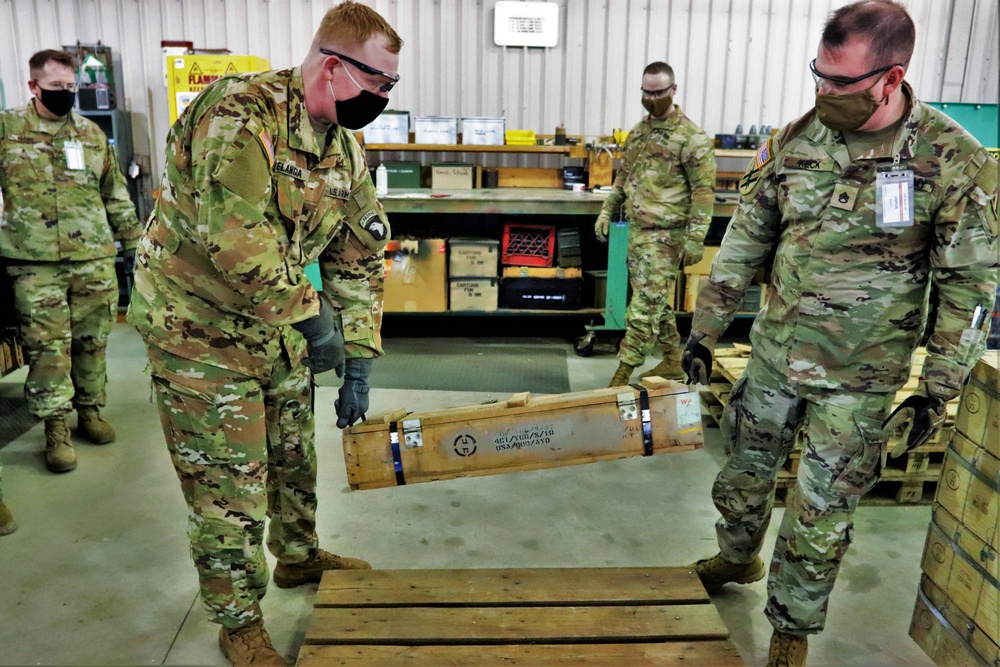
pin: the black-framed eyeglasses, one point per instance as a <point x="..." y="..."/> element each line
<point x="58" y="86"/>
<point x="367" y="69"/>
<point x="843" y="80"/>
<point x="657" y="93"/>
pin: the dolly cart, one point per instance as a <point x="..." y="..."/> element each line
<point x="616" y="294"/>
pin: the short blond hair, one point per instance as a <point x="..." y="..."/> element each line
<point x="354" y="23"/>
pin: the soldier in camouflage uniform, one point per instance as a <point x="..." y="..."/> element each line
<point x="65" y="204"/>
<point x="264" y="177"/>
<point x="846" y="306"/>
<point x="667" y="182"/>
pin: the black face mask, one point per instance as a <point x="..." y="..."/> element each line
<point x="59" y="102"/>
<point x="358" y="111"/>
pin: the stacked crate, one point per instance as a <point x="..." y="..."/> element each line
<point x="957" y="615"/>
<point x="530" y="278"/>
<point x="908" y="479"/>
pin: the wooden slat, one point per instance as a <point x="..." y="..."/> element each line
<point x="720" y="653"/>
<point x="511" y="587"/>
<point x="514" y="625"/>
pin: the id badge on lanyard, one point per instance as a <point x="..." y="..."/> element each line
<point x="74" y="156"/>
<point x="894" y="197"/>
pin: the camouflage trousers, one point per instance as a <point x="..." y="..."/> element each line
<point x="65" y="311"/>
<point x="839" y="434"/>
<point x="243" y="449"/>
<point x="654" y="257"/>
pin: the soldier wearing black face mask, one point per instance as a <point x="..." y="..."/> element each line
<point x="66" y="204"/>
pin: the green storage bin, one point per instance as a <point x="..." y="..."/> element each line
<point x="403" y="174"/>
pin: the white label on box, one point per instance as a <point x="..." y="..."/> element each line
<point x="688" y="409"/>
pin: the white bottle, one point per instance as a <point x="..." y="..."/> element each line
<point x="381" y="181"/>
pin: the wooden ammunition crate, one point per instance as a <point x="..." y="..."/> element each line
<point x="523" y="433"/>
<point x="481" y="618"/>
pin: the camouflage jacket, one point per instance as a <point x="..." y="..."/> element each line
<point x="250" y="197"/>
<point x="667" y="177"/>
<point x="53" y="213"/>
<point x="847" y="301"/>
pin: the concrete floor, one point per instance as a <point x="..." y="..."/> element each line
<point x="99" y="571"/>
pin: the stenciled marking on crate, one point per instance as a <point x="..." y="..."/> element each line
<point x="688" y="409"/>
<point x="541" y="439"/>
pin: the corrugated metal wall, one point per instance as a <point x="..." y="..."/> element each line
<point x="736" y="61"/>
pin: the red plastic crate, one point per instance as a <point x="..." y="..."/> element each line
<point x="528" y="245"/>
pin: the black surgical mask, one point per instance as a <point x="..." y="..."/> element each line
<point x="358" y="111"/>
<point x="59" y="102"/>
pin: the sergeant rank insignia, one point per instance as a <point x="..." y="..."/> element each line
<point x="751" y="179"/>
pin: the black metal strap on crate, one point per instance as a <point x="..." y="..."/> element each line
<point x="397" y="461"/>
<point x="647" y="422"/>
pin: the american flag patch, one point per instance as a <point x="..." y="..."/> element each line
<point x="764" y="154"/>
<point x="265" y="142"/>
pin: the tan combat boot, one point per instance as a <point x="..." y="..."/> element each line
<point x="59" y="453"/>
<point x="787" y="650"/>
<point x="311" y="570"/>
<point x="669" y="368"/>
<point x="249" y="645"/>
<point x="92" y="427"/>
<point x="7" y="523"/>
<point x="622" y="375"/>
<point x="716" y="571"/>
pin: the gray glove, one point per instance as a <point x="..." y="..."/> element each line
<point x="353" y="402"/>
<point x="693" y="252"/>
<point x="128" y="261"/>
<point x="922" y="413"/>
<point x="696" y="361"/>
<point x="325" y="337"/>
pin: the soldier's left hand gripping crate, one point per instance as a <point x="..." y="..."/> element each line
<point x="523" y="433"/>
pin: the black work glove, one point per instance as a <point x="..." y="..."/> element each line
<point x="353" y="402"/>
<point x="325" y="337"/>
<point x="128" y="261"/>
<point x="917" y="419"/>
<point x="696" y="361"/>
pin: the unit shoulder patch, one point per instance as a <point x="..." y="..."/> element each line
<point x="755" y="170"/>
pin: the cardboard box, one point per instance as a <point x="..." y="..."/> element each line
<point x="523" y="433"/>
<point x="403" y="174"/>
<point x="483" y="131"/>
<point x="473" y="294"/>
<point x="947" y="635"/>
<point x="966" y="569"/>
<point x="452" y="176"/>
<point x="473" y="258"/>
<point x="391" y="127"/>
<point x="417" y="282"/>
<point x="978" y="416"/>
<point x="435" y="130"/>
<point x="970" y="488"/>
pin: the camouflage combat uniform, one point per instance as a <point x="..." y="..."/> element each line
<point x="667" y="182"/>
<point x="58" y="242"/>
<point x="251" y="196"/>
<point x="845" y="309"/>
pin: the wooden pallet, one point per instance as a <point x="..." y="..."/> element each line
<point x="895" y="487"/>
<point x="552" y="617"/>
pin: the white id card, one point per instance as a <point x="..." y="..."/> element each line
<point x="894" y="198"/>
<point x="74" y="155"/>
